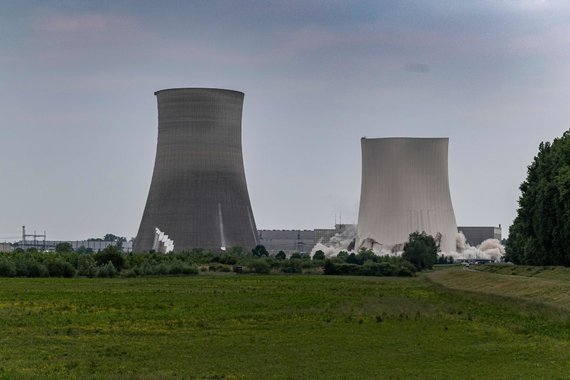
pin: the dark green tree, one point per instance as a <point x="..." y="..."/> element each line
<point x="342" y="255"/>
<point x="540" y="233"/>
<point x="280" y="255"/>
<point x="111" y="254"/>
<point x="421" y="250"/>
<point x="319" y="255"/>
<point x="63" y="247"/>
<point x="259" y="251"/>
<point x="110" y="237"/>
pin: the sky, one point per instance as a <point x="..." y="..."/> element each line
<point x="78" y="123"/>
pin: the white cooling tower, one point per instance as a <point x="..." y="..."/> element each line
<point x="405" y="188"/>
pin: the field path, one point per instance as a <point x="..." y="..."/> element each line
<point x="548" y="291"/>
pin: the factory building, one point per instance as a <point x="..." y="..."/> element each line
<point x="49" y="245"/>
<point x="405" y="188"/>
<point x="302" y="241"/>
<point x="474" y="236"/>
<point x="198" y="194"/>
<point x="288" y="241"/>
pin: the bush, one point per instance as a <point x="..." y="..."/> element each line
<point x="7" y="268"/>
<point x="162" y="269"/>
<point x="35" y="269"/>
<point x="280" y="255"/>
<point x="113" y="254"/>
<point x="330" y="268"/>
<point x="387" y="266"/>
<point x="86" y="266"/>
<point x="292" y="266"/>
<point x="260" y="267"/>
<point x="342" y="255"/>
<point x="176" y="267"/>
<point x="319" y="255"/>
<point x="107" y="270"/>
<point x="187" y="269"/>
<point x="60" y="268"/>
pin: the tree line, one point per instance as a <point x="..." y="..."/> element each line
<point x="540" y="233"/>
<point x="420" y="253"/>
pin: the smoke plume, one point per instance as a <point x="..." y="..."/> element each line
<point x="490" y="249"/>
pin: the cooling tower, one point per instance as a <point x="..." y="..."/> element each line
<point x="198" y="194"/>
<point x="405" y="188"/>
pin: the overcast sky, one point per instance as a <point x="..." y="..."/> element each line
<point x="78" y="120"/>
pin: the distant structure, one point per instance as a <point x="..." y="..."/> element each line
<point x="89" y="245"/>
<point x="198" y="194"/>
<point x="405" y="188"/>
<point x="288" y="241"/>
<point x="474" y="236"/>
<point x="6" y="247"/>
<point x="301" y="241"/>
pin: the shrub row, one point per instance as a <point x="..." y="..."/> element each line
<point x="385" y="268"/>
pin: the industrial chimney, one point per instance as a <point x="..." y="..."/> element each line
<point x="198" y="194"/>
<point x="405" y="188"/>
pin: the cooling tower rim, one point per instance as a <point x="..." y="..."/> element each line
<point x="213" y="89"/>
<point x="403" y="138"/>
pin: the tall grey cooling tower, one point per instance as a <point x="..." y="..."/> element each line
<point x="405" y="188"/>
<point x="198" y="194"/>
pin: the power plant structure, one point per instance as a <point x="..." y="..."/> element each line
<point x="405" y="188"/>
<point x="198" y="195"/>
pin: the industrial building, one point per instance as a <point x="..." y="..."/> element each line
<point x="5" y="247"/>
<point x="405" y="188"/>
<point x="474" y="236"/>
<point x="198" y="194"/>
<point x="302" y="241"/>
<point x="49" y="245"/>
<point x="288" y="241"/>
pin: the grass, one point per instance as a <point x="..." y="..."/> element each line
<point x="297" y="327"/>
<point x="547" y="272"/>
<point x="553" y="291"/>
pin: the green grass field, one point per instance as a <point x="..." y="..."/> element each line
<point x="263" y="327"/>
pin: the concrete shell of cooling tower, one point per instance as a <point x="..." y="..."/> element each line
<point x="198" y="195"/>
<point x="405" y="188"/>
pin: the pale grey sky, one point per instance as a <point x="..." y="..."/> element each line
<point x="79" y="123"/>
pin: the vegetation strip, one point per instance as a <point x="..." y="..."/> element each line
<point x="553" y="292"/>
<point x="271" y="327"/>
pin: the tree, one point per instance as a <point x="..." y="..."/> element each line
<point x="540" y="232"/>
<point x="64" y="247"/>
<point x="86" y="266"/>
<point x="319" y="255"/>
<point x="259" y="251"/>
<point x="280" y="255"/>
<point x="82" y="250"/>
<point x="421" y="250"/>
<point x="342" y="255"/>
<point x="111" y="254"/>
<point x="110" y="237"/>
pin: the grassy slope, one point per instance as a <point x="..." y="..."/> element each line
<point x="551" y="291"/>
<point x="270" y="327"/>
<point x="548" y="272"/>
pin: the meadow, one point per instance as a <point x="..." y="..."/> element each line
<point x="227" y="326"/>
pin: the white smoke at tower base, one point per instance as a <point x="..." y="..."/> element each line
<point x="490" y="249"/>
